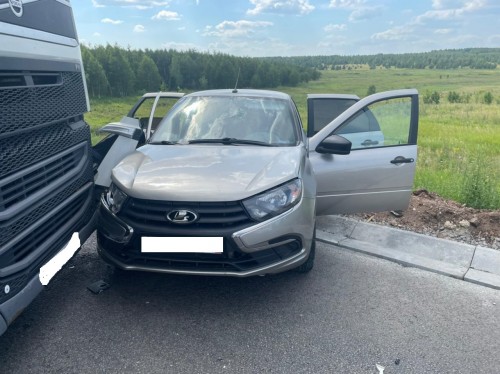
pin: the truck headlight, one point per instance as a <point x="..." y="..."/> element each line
<point x="274" y="202"/>
<point x="115" y="198"/>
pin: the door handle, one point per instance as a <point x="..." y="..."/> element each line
<point x="369" y="142"/>
<point x="402" y="160"/>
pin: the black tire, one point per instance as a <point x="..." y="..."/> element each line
<point x="307" y="266"/>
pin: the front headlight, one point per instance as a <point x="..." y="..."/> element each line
<point x="276" y="201"/>
<point x="115" y="198"/>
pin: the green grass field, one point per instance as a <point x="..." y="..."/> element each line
<point x="459" y="143"/>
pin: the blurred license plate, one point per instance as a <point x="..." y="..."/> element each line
<point x="182" y="245"/>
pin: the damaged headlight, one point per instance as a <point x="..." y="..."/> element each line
<point x="274" y="202"/>
<point x="115" y="198"/>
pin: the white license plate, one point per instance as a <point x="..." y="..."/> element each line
<point x="182" y="245"/>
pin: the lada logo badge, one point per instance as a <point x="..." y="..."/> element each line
<point x="17" y="7"/>
<point x="182" y="216"/>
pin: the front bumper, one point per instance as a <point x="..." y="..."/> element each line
<point x="273" y="246"/>
<point x="84" y="220"/>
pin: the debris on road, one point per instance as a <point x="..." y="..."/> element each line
<point x="98" y="287"/>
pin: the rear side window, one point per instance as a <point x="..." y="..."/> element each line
<point x="325" y="111"/>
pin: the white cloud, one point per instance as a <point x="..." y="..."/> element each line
<point x="166" y="15"/>
<point x="137" y="4"/>
<point x="446" y="4"/>
<point x="182" y="28"/>
<point x="281" y="7"/>
<point x="359" y="10"/>
<point x="95" y="4"/>
<point x="364" y="13"/>
<point x="111" y="21"/>
<point x="442" y="14"/>
<point x="139" y="28"/>
<point x="346" y="4"/>
<point x="236" y="29"/>
<point x="396" y="33"/>
<point x="427" y="23"/>
<point x="451" y="9"/>
<point x="334" y="27"/>
<point x="96" y="34"/>
<point x="439" y="4"/>
<point x="442" y="31"/>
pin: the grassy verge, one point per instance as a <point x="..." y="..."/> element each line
<point x="459" y="143"/>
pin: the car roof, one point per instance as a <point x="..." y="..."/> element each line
<point x="243" y="92"/>
<point x="163" y="94"/>
<point x="333" y="96"/>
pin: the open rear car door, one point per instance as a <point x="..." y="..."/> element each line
<point x="364" y="159"/>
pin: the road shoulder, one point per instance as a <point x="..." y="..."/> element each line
<point x="471" y="263"/>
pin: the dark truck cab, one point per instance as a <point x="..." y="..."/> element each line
<point x="46" y="167"/>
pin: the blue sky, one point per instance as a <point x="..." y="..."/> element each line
<point x="290" y="27"/>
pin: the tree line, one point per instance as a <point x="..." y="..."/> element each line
<point x="115" y="71"/>
<point x="473" y="58"/>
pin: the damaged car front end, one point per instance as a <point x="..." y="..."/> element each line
<point x="214" y="192"/>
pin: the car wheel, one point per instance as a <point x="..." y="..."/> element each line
<point x="309" y="264"/>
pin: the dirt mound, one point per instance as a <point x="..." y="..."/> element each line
<point x="430" y="214"/>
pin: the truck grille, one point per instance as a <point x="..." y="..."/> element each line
<point x="38" y="236"/>
<point x="45" y="170"/>
<point x="47" y="173"/>
<point x="18" y="152"/>
<point x="151" y="215"/>
<point x="37" y="105"/>
<point x="9" y="230"/>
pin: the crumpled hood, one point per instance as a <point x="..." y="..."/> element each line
<point x="205" y="172"/>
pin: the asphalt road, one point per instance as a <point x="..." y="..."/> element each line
<point x="349" y="313"/>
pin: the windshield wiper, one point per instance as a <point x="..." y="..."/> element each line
<point x="164" y="142"/>
<point x="230" y="141"/>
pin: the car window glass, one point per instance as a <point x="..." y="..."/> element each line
<point x="265" y="120"/>
<point x="162" y="107"/>
<point x="325" y="111"/>
<point x="143" y="112"/>
<point x="382" y="124"/>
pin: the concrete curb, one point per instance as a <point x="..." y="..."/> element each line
<point x="473" y="264"/>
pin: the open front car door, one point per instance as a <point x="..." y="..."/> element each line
<point x="132" y="131"/>
<point x="364" y="159"/>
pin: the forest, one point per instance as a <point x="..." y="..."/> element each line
<point x="113" y="71"/>
<point x="118" y="72"/>
<point x="473" y="58"/>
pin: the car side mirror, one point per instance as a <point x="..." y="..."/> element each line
<point x="336" y="145"/>
<point x="127" y="127"/>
